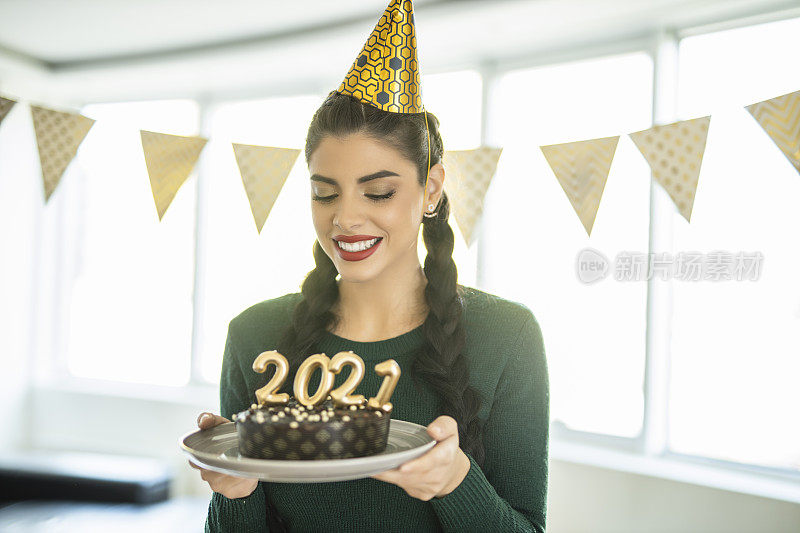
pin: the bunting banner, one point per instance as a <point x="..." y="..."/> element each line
<point x="264" y="170"/>
<point x="58" y="136"/>
<point x="170" y="159"/>
<point x="675" y="153"/>
<point x="582" y="170"/>
<point x="468" y="174"/>
<point x="780" y="118"/>
<point x="5" y="107"/>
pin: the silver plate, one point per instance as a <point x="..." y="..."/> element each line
<point x="218" y="449"/>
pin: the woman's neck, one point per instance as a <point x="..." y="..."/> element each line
<point x="381" y="308"/>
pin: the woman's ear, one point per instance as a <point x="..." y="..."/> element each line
<point x="435" y="185"/>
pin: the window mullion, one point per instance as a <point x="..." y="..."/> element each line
<point x="198" y="290"/>
<point x="654" y="436"/>
<point x="489" y="75"/>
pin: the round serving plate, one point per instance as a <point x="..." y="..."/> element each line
<point x="217" y="449"/>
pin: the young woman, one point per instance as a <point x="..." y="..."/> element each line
<point x="473" y="364"/>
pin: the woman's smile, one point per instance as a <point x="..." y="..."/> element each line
<point x="356" y="251"/>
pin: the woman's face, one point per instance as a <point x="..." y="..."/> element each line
<point x="365" y="189"/>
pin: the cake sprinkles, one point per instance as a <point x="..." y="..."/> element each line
<point x="294" y="432"/>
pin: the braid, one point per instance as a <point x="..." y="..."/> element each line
<point x="440" y="361"/>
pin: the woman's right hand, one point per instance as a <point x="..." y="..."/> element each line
<point x="228" y="486"/>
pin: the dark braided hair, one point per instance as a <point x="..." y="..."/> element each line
<point x="439" y="361"/>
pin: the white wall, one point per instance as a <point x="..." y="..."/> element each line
<point x="590" y="499"/>
<point x="96" y="422"/>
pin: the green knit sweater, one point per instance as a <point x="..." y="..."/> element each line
<point x="507" y="365"/>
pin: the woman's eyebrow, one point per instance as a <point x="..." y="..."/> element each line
<point x="363" y="179"/>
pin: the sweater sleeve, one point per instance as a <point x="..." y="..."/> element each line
<point x="247" y="514"/>
<point x="510" y="492"/>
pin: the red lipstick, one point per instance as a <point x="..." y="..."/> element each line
<point x="356" y="256"/>
<point x="354" y="238"/>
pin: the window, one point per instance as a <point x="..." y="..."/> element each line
<point x="735" y="344"/>
<point x="242" y="267"/>
<point x="129" y="276"/>
<point x="455" y="99"/>
<point x="594" y="334"/>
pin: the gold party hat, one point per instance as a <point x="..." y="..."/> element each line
<point x="386" y="72"/>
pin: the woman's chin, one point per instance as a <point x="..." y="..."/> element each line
<point x="357" y="272"/>
<point x="356" y="277"/>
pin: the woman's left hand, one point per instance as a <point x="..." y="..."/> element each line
<point x="437" y="472"/>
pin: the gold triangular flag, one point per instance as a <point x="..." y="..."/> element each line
<point x="468" y="174"/>
<point x="264" y="170"/>
<point x="58" y="136"/>
<point x="780" y="118"/>
<point x="386" y="72"/>
<point x="675" y="153"/>
<point x="581" y="168"/>
<point x="5" y="106"/>
<point x="170" y="159"/>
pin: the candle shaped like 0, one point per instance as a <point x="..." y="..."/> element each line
<point x="267" y="394"/>
<point x="341" y="395"/>
<point x="390" y="371"/>
<point x="304" y="374"/>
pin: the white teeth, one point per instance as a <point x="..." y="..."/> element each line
<point x="356" y="246"/>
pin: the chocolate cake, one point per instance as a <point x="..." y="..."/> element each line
<point x="325" y="431"/>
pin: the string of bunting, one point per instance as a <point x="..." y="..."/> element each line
<point x="673" y="151"/>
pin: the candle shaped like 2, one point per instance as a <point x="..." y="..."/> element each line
<point x="268" y="393"/>
<point x="341" y="395"/>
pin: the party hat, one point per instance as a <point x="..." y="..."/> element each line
<point x="386" y="72"/>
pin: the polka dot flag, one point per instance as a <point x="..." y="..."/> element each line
<point x="58" y="136"/>
<point x="468" y="174"/>
<point x="5" y="106"/>
<point x="675" y="152"/>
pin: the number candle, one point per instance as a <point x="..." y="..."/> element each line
<point x="390" y="371"/>
<point x="267" y="394"/>
<point x="304" y="374"/>
<point x="341" y="395"/>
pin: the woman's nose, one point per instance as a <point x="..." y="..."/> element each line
<point x="348" y="213"/>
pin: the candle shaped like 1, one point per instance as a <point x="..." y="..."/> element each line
<point x="341" y="395"/>
<point x="390" y="371"/>
<point x="304" y="374"/>
<point x="267" y="394"/>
